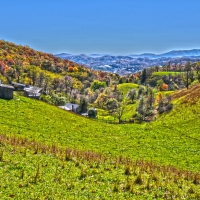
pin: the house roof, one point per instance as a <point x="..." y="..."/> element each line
<point x="69" y="105"/>
<point x="64" y="107"/>
<point x="32" y="89"/>
<point x="7" y="86"/>
<point x="18" y="84"/>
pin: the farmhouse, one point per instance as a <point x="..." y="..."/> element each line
<point x="32" y="92"/>
<point x="6" y="91"/>
<point x="29" y="90"/>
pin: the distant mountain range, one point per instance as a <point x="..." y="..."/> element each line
<point x="132" y="63"/>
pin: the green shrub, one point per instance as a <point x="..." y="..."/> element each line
<point x="92" y="113"/>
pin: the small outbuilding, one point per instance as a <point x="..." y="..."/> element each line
<point x="6" y="91"/>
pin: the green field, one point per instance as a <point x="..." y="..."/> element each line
<point x="169" y="140"/>
<point x="125" y="87"/>
<point x="165" y="73"/>
<point x="29" y="170"/>
<point x="172" y="140"/>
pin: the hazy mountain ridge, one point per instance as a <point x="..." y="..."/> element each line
<point x="132" y="63"/>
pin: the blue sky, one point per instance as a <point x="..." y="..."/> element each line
<point x="101" y="26"/>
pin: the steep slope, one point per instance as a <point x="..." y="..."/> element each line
<point x="172" y="139"/>
<point x="48" y="172"/>
<point x="18" y="55"/>
<point x="149" y="161"/>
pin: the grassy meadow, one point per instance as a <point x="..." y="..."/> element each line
<point x="151" y="160"/>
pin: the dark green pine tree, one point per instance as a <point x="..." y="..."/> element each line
<point x="144" y="76"/>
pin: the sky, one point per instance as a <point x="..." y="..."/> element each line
<point x="118" y="27"/>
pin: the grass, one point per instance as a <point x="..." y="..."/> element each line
<point x="130" y="110"/>
<point x="165" y="141"/>
<point x="125" y="87"/>
<point x="33" y="170"/>
<point x="172" y="140"/>
<point x="165" y="73"/>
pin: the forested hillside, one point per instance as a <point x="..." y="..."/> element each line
<point x="61" y="80"/>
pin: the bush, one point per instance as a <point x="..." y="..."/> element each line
<point x="131" y="120"/>
<point x="164" y="106"/>
<point x="54" y="99"/>
<point x="169" y="106"/>
<point x="92" y="113"/>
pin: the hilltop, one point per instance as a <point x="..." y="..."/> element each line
<point x="13" y="54"/>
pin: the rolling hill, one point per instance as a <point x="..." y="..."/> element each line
<point x="36" y="120"/>
<point x="39" y="142"/>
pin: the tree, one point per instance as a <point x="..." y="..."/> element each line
<point x="18" y="72"/>
<point x="164" y="104"/>
<point x="41" y="78"/>
<point x="33" y="74"/>
<point x="159" y="83"/>
<point x="112" y="104"/>
<point x="144" y="76"/>
<point x="164" y="86"/>
<point x="74" y="95"/>
<point x="47" y="81"/>
<point x="75" y="69"/>
<point x="55" y="99"/>
<point x="2" y="68"/>
<point x="56" y="83"/>
<point x="47" y="65"/>
<point x="131" y="94"/>
<point x="83" y="104"/>
<point x="70" y="69"/>
<point x="97" y="85"/>
<point x="151" y="99"/>
<point x="197" y="67"/>
<point x="188" y="75"/>
<point x="140" y="91"/>
<point x="168" y="66"/>
<point x="156" y="68"/>
<point x="119" y="111"/>
<point x="68" y="83"/>
<point x="101" y="100"/>
<point x="159" y="97"/>
<point x="141" y="109"/>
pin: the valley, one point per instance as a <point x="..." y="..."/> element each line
<point x="132" y="63"/>
<point x="139" y="139"/>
